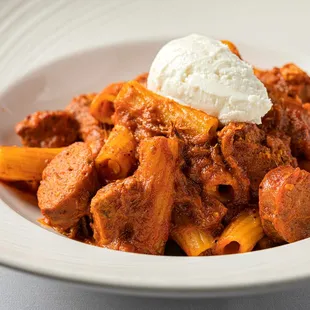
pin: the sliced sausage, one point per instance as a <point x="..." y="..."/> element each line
<point x="68" y="183"/>
<point x="284" y="204"/>
<point x="48" y="129"/>
<point x="90" y="130"/>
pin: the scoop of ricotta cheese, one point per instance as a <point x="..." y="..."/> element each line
<point x="203" y="73"/>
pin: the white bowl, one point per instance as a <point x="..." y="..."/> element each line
<point x="26" y="245"/>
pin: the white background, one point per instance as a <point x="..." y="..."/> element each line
<point x="31" y="33"/>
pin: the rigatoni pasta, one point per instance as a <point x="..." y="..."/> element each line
<point x="241" y="234"/>
<point x="24" y="163"/>
<point x="192" y="239"/>
<point x="161" y="114"/>
<point x="102" y="108"/>
<point x="117" y="156"/>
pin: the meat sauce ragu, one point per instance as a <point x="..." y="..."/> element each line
<point x="176" y="175"/>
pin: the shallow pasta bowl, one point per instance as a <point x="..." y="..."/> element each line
<point x="26" y="245"/>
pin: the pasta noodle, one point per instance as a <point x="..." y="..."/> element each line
<point x="241" y="235"/>
<point x="102" y="108"/>
<point x="190" y="229"/>
<point x="192" y="239"/>
<point x="145" y="107"/>
<point x="232" y="47"/>
<point x="24" y="163"/>
<point x="117" y="156"/>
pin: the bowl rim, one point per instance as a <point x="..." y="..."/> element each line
<point x="141" y="274"/>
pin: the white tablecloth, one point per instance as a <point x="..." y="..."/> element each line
<point x="19" y="291"/>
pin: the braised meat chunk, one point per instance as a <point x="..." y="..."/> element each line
<point x="196" y="221"/>
<point x="90" y="129"/>
<point x="68" y="183"/>
<point x="48" y="129"/>
<point x="206" y="167"/>
<point x="284" y="204"/>
<point x="288" y="80"/>
<point x="134" y="214"/>
<point x="290" y="118"/>
<point x="192" y="206"/>
<point x="246" y="148"/>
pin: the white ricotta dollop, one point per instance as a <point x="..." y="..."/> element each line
<point x="203" y="73"/>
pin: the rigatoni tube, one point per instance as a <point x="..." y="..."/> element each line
<point x="117" y="156"/>
<point x="241" y="234"/>
<point x="24" y="163"/>
<point x="192" y="239"/>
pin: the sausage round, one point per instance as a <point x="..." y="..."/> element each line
<point x="48" y="129"/>
<point x="284" y="204"/>
<point x="68" y="183"/>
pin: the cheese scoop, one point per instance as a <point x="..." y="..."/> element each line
<point x="203" y="73"/>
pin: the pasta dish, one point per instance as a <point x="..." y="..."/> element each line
<point x="130" y="169"/>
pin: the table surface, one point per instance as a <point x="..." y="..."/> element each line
<point x="23" y="291"/>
